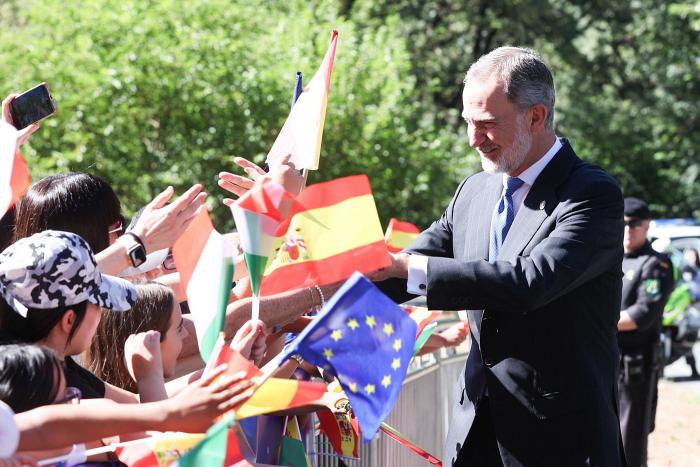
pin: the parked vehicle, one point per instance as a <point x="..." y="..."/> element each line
<point x="681" y="319"/>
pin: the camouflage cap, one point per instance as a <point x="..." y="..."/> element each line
<point x="54" y="269"/>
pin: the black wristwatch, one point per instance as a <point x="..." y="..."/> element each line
<point x="137" y="252"/>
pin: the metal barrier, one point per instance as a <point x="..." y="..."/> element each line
<point x="421" y="414"/>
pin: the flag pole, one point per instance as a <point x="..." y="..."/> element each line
<point x="100" y="450"/>
<point x="255" y="312"/>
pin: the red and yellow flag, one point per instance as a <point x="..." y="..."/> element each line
<point x="400" y="234"/>
<point x="336" y="233"/>
<point x="274" y="395"/>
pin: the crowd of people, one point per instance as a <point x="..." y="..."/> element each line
<point x="532" y="248"/>
<point x="91" y="310"/>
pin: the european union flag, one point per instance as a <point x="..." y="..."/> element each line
<point x="365" y="339"/>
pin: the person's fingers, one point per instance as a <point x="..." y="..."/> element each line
<point x="228" y="202"/>
<point x="215" y="373"/>
<point x="235" y="400"/>
<point x="6" y="115"/>
<point x="233" y="389"/>
<point x="160" y="199"/>
<point x="186" y="198"/>
<point x="193" y="208"/>
<point x="235" y="184"/>
<point x="226" y="381"/>
<point x="246" y="164"/>
<point x="25" y="133"/>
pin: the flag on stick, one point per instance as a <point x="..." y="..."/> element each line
<point x="400" y="234"/>
<point x="336" y="233"/>
<point x="14" y="174"/>
<point x="302" y="132"/>
<point x="274" y="394"/>
<point x="367" y="341"/>
<point x="261" y="219"/>
<point x="204" y="259"/>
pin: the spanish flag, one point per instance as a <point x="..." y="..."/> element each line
<point x="14" y="175"/>
<point x="335" y="233"/>
<point x="274" y="395"/>
<point x="400" y="234"/>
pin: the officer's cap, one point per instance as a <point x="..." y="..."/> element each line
<point x="635" y="207"/>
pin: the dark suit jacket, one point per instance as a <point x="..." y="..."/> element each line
<point x="543" y="317"/>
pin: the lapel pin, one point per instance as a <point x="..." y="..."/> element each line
<point x="542" y="205"/>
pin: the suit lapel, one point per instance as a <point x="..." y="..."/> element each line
<point x="479" y="218"/>
<point x="538" y="205"/>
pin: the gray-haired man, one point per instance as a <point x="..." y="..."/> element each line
<point x="532" y="248"/>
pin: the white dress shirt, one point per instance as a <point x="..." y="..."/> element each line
<point x="418" y="265"/>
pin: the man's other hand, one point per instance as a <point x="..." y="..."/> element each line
<point x="398" y="268"/>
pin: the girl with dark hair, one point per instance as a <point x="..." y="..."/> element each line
<point x="52" y="293"/>
<point x="30" y="376"/>
<point x="73" y="202"/>
<point x="155" y="310"/>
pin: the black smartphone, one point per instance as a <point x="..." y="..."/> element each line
<point x="32" y="106"/>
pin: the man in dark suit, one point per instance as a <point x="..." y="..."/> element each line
<point x="532" y="248"/>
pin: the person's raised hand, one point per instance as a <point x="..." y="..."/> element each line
<point x="398" y="268"/>
<point x="249" y="340"/>
<point x="237" y="184"/>
<point x="160" y="225"/>
<point x="282" y="172"/>
<point x="194" y="408"/>
<point x="142" y="355"/>
<point x="24" y="133"/>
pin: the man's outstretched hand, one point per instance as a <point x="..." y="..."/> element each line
<point x="397" y="269"/>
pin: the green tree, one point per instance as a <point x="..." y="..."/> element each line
<point x="167" y="92"/>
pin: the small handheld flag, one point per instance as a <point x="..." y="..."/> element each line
<point x="204" y="259"/>
<point x="400" y="234"/>
<point x="367" y="341"/>
<point x="302" y="132"/>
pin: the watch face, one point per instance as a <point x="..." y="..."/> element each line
<point x="137" y="255"/>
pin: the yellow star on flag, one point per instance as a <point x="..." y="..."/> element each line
<point x="328" y="353"/>
<point x="337" y="335"/>
<point x="386" y="381"/>
<point x="397" y="344"/>
<point x="370" y="321"/>
<point x="353" y="324"/>
<point x="369" y="389"/>
<point x="388" y="329"/>
<point x="396" y="363"/>
<point x="352" y="387"/>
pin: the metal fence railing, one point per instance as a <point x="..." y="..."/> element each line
<point x="421" y="414"/>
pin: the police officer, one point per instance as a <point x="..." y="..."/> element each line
<point x="646" y="285"/>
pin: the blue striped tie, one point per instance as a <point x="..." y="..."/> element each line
<point x="503" y="217"/>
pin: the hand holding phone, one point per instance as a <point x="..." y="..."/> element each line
<point x="32" y="106"/>
<point x="6" y="123"/>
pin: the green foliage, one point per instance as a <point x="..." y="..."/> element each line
<point x="163" y="93"/>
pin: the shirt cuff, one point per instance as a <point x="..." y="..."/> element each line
<point x="417" y="283"/>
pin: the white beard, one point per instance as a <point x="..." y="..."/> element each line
<point x="512" y="157"/>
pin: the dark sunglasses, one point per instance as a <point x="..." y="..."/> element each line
<point x="634" y="223"/>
